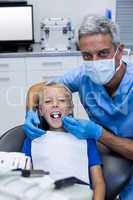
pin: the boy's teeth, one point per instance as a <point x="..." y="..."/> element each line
<point x="55" y="115"/>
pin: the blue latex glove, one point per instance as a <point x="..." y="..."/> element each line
<point x="82" y="129"/>
<point x="30" y="125"/>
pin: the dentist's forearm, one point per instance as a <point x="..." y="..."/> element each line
<point x="32" y="98"/>
<point x="121" y="145"/>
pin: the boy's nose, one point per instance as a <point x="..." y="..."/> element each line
<point x="55" y="103"/>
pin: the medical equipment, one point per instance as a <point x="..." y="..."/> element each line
<point x="34" y="173"/>
<point x="18" y="21"/>
<point x="66" y="182"/>
<point x="57" y="34"/>
<point x="13" y="186"/>
<point x="14" y="160"/>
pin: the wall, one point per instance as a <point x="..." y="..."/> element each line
<point x="124" y="17"/>
<point x="75" y="9"/>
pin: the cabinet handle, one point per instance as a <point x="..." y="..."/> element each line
<point x="45" y="78"/>
<point x="4" y="79"/>
<point x="58" y="63"/>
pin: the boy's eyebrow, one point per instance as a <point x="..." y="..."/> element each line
<point x="64" y="97"/>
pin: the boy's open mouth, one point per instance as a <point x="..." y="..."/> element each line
<point x="55" y="114"/>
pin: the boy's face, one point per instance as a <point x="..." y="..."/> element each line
<point x="56" y="104"/>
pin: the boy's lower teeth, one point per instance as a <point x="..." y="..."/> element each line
<point x="56" y="117"/>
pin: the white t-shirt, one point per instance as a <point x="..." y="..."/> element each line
<point x="62" y="154"/>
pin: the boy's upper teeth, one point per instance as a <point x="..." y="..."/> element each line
<point x="55" y="114"/>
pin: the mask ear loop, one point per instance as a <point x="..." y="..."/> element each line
<point x="116" y="51"/>
<point x="117" y="69"/>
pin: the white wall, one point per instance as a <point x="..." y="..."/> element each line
<point x="75" y="9"/>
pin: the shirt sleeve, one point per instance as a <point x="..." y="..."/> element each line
<point x="93" y="153"/>
<point x="26" y="149"/>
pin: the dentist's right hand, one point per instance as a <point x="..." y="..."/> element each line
<point x="31" y="123"/>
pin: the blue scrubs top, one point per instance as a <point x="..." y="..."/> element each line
<point x="114" y="113"/>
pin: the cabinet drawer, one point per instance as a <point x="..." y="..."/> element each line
<point x="37" y="76"/>
<point x="12" y="79"/>
<point x="51" y="63"/>
<point x="12" y="64"/>
<point x="12" y="107"/>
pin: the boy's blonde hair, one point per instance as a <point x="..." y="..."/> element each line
<point x="55" y="85"/>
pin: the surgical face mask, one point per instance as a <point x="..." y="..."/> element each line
<point x="101" y="71"/>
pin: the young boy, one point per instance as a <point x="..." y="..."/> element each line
<point x="60" y="152"/>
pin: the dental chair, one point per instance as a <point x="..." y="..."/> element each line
<point x="116" y="169"/>
<point x="117" y="172"/>
<point x="12" y="140"/>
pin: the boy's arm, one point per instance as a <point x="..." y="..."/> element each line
<point x="26" y="148"/>
<point x="96" y="176"/>
<point x="98" y="184"/>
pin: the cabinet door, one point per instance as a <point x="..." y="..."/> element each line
<point x="12" y="64"/>
<point x="81" y="113"/>
<point x="12" y="92"/>
<point x="45" y="68"/>
<point x="51" y="63"/>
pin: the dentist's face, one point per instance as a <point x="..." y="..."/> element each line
<point x="99" y="46"/>
<point x="56" y="104"/>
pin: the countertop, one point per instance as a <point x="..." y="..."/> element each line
<point x="39" y="54"/>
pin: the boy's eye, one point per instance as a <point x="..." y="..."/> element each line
<point x="47" y="101"/>
<point x="61" y="99"/>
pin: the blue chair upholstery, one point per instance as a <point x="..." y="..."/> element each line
<point x="12" y="140"/>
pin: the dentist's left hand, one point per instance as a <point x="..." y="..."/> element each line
<point x="31" y="125"/>
<point x="82" y="129"/>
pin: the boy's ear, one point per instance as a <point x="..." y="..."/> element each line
<point x="40" y="110"/>
<point x="71" y="108"/>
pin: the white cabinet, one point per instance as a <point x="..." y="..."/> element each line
<point x="81" y="113"/>
<point x="44" y="68"/>
<point x="12" y="92"/>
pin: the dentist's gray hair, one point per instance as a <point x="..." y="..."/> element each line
<point x="95" y="24"/>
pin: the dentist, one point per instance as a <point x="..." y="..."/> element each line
<point x="105" y="85"/>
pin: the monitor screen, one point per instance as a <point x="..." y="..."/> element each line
<point x="16" y="24"/>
